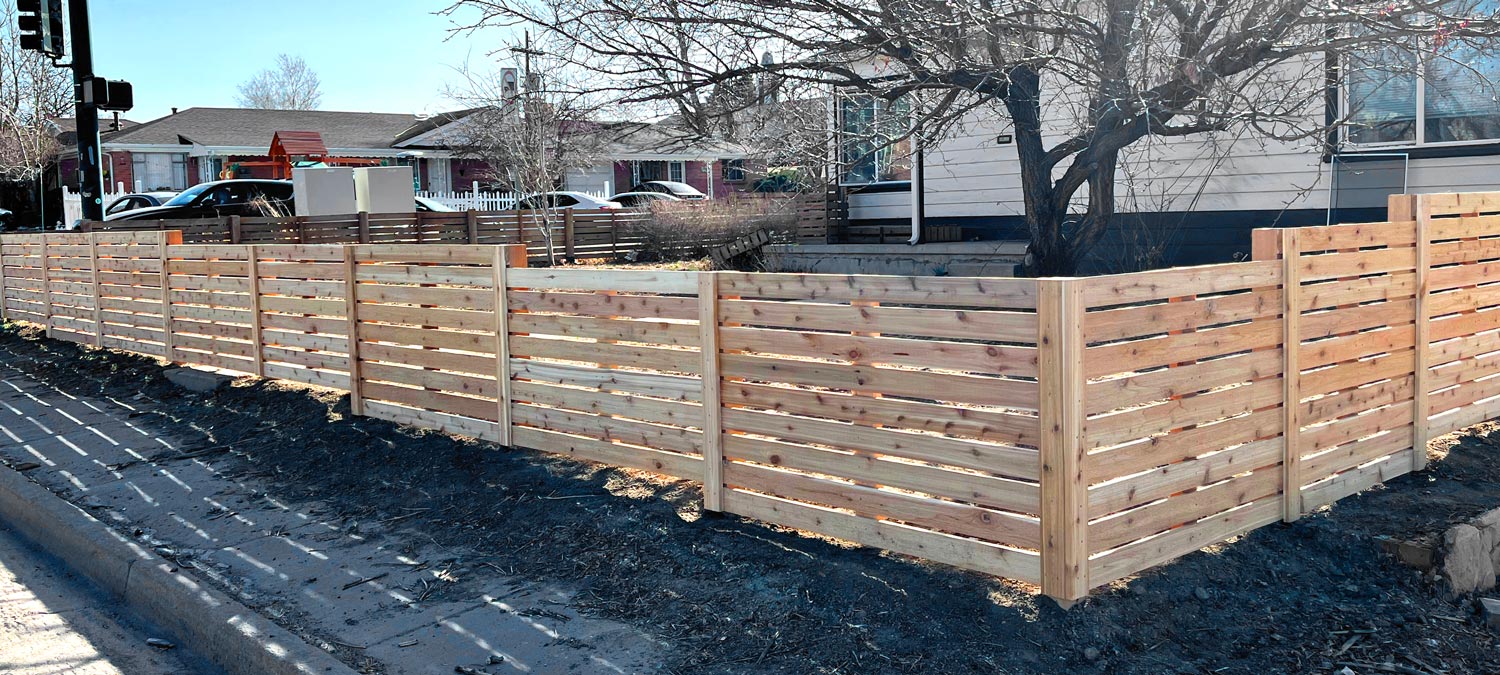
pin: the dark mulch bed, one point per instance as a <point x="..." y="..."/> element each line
<point x="732" y="596"/>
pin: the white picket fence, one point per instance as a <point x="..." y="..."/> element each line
<point x="73" y="205"/>
<point x="487" y="201"/>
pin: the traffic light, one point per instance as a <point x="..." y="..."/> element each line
<point x="109" y="94"/>
<point x="41" y="26"/>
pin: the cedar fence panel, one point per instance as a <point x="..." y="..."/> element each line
<point x="1063" y="432"/>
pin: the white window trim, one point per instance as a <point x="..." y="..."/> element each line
<point x="677" y="171"/>
<point x="839" y="166"/>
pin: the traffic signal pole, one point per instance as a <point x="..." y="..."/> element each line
<point x="90" y="173"/>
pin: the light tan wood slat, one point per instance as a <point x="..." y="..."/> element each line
<point x="304" y="252"/>
<point x="1156" y="385"/>
<point x="206" y="252"/>
<point x="1181" y="445"/>
<point x="189" y="326"/>
<point x="218" y="285"/>
<point x="1126" y="357"/>
<point x="1343" y="458"/>
<point x="902" y="321"/>
<point x="888" y="290"/>
<point x="141" y="265"/>
<point x="430" y="317"/>
<point x="1358" y="235"/>
<point x="595" y="304"/>
<point x="243" y="365"/>
<point x="1179" y="542"/>
<point x="1463" y="395"/>
<point x="270" y="267"/>
<point x="1463" y="300"/>
<point x="427" y="253"/>
<point x="956" y="356"/>
<point x="1356" y="291"/>
<point x="1183" y="509"/>
<point x="952" y="550"/>
<point x="429" y="358"/>
<point x="999" y="493"/>
<point x="325" y="343"/>
<point x="428" y="419"/>
<point x="304" y="287"/>
<point x="927" y="513"/>
<point x="921" y="447"/>
<point x="1355" y="400"/>
<point x="459" y="298"/>
<point x="672" y="387"/>
<point x="1346" y="375"/>
<point x="1394" y="416"/>
<point x="322" y="360"/>
<point x="975" y="390"/>
<point x="620" y="355"/>
<point x="1465" y="251"/>
<point x="1169" y="480"/>
<point x="1460" y="325"/>
<point x="1128" y="322"/>
<point x="626" y="330"/>
<point x="1444" y="278"/>
<point x="1453" y="420"/>
<point x="988" y="425"/>
<point x="112" y="342"/>
<point x="1458" y="349"/>
<point x="678" y="413"/>
<point x="322" y="325"/>
<point x="1352" y="319"/>
<point x="469" y="385"/>
<point x="1357" y="263"/>
<point x="403" y="335"/>
<point x="624" y="281"/>
<point x="215" y="345"/>
<point x="318" y="306"/>
<point x="1201" y="409"/>
<point x="479" y="277"/>
<point x="229" y="268"/>
<point x="1120" y="289"/>
<point x="1359" y="345"/>
<point x="1358" y="480"/>
<point x="319" y="378"/>
<point x="591" y="449"/>
<point x="429" y="400"/>
<point x="610" y="429"/>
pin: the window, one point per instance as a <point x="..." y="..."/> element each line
<point x="1449" y="97"/>
<point x="676" y="171"/>
<point x="869" y="149"/>
<point x="733" y="170"/>
<point x="562" y="201"/>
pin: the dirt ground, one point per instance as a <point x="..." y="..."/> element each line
<point x="735" y="596"/>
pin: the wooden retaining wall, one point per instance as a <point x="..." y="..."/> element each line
<point x="1063" y="432"/>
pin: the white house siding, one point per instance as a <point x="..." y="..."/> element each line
<point x="594" y="180"/>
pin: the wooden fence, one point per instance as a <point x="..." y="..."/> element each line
<point x="1063" y="432"/>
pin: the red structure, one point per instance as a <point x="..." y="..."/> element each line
<point x="289" y="148"/>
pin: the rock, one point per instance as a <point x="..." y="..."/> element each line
<point x="1489" y="612"/>
<point x="1200" y="593"/>
<point x="1467" y="564"/>
<point x="1346" y="671"/>
<point x="1091" y="653"/>
<point x="1419" y="554"/>
<point x="197" y="381"/>
<point x="160" y="643"/>
<point x="26" y="466"/>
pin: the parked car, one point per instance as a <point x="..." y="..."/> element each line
<point x="427" y="205"/>
<point x="216" y="199"/>
<point x="561" y="201"/>
<point x="139" y="200"/>
<point x="642" y="200"/>
<point x="670" y="187"/>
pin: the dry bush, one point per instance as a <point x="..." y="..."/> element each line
<point x="689" y="230"/>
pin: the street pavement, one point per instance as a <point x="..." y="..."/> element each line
<point x="53" y="622"/>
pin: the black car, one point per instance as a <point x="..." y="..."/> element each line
<point x="218" y="199"/>
<point x="139" y="200"/>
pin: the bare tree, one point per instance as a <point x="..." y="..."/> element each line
<point x="291" y="85"/>
<point x="32" y="94"/>
<point x="1077" y="81"/>
<point x="531" y="136"/>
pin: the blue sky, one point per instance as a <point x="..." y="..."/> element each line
<point x="372" y="55"/>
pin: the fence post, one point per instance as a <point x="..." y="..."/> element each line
<point x="364" y="227"/>
<point x="505" y="257"/>
<point x="568" y="236"/>
<point x="713" y="430"/>
<point x="471" y="225"/>
<point x="255" y="318"/>
<point x="162" y="242"/>
<point x="46" y="287"/>
<point x="236" y="231"/>
<point x="4" y="301"/>
<point x="351" y="315"/>
<point x="1421" y="211"/>
<point x="1291" y="374"/>
<point x="94" y="290"/>
<point x="1064" y="505"/>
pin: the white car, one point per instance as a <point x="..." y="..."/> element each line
<point x="563" y="200"/>
<point x="642" y="200"/>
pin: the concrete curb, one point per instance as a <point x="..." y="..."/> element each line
<point x="205" y="620"/>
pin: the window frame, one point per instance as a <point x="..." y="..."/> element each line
<point x="732" y="170"/>
<point x="1419" y="122"/>
<point x="677" y="171"/>
<point x="841" y="166"/>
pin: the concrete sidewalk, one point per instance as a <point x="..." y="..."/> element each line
<point x="380" y="602"/>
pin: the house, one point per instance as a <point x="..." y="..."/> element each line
<point x="198" y="145"/>
<point x="1192" y="199"/>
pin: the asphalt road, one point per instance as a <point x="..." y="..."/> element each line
<point x="53" y="622"/>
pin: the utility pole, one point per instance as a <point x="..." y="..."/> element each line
<point x="90" y="174"/>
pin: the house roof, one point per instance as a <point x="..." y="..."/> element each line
<point x="247" y="127"/>
<point x="67" y="129"/>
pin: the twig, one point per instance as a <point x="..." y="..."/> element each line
<point x="366" y="580"/>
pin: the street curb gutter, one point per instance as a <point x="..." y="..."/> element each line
<point x="214" y="626"/>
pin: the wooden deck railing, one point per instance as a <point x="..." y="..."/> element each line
<point x="1062" y="432"/>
